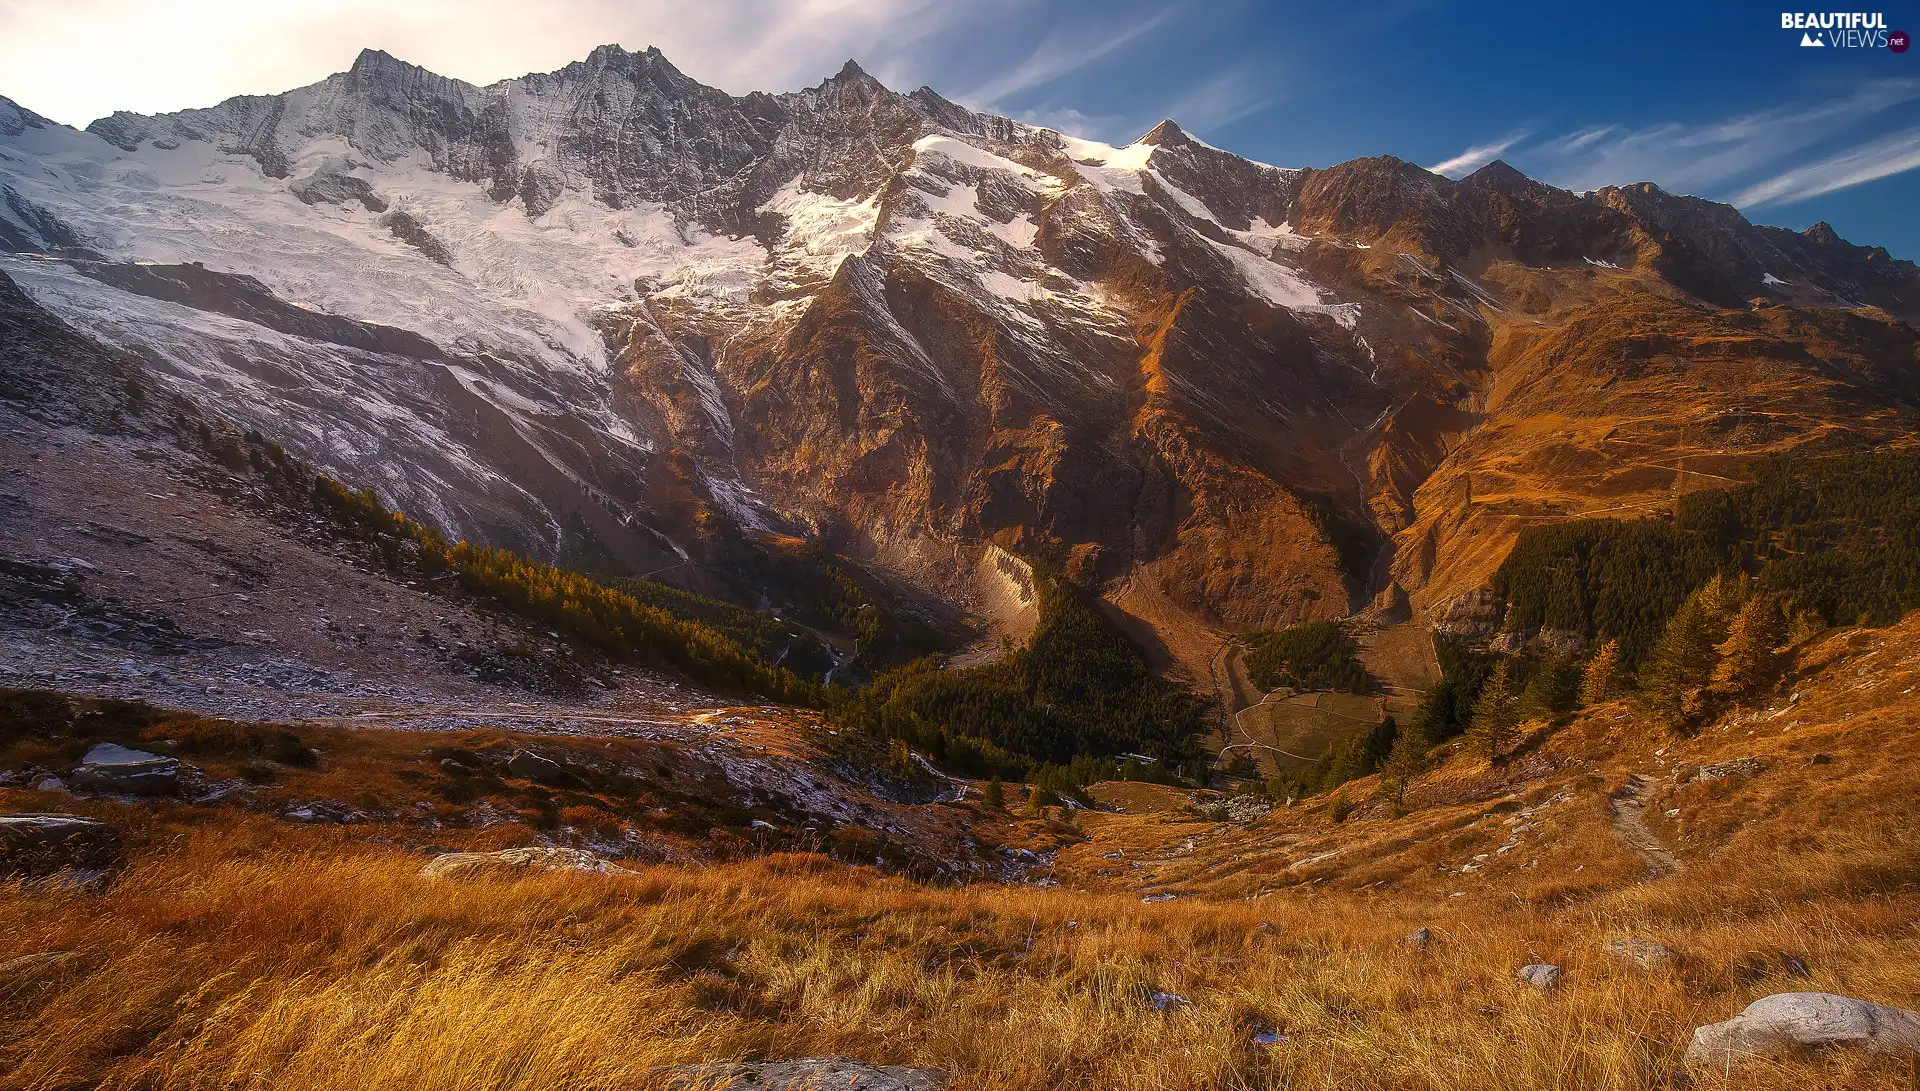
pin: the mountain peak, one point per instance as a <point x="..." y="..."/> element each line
<point x="1823" y="233"/>
<point x="374" y="59"/>
<point x="1167" y="133"/>
<point x="851" y="71"/>
<point x="16" y="119"/>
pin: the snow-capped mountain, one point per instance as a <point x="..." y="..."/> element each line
<point x="611" y="314"/>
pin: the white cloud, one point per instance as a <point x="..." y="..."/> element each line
<point x="1063" y="51"/>
<point x="1709" y="158"/>
<point x="1222" y="99"/>
<point x="1892" y="155"/>
<point x="81" y="59"/>
<point x="1477" y="156"/>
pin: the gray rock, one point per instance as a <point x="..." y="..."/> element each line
<point x="465" y="865"/>
<point x="1420" y="939"/>
<point x="1736" y="767"/>
<point x="110" y="767"/>
<point x="806" y="1074"/>
<point x="321" y="813"/>
<point x="528" y="765"/>
<point x="1644" y="953"/>
<point x="1166" y="1001"/>
<point x="1541" y="975"/>
<point x="49" y="846"/>
<point x="1785" y="1022"/>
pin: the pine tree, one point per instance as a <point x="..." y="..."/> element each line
<point x="1552" y="689"/>
<point x="1750" y="659"/>
<point x="1405" y="761"/>
<point x="1495" y="714"/>
<point x="1600" y="682"/>
<point x="995" y="797"/>
<point x="1676" y="674"/>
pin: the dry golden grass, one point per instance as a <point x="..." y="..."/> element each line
<point x="242" y="954"/>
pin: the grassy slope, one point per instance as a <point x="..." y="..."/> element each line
<point x="241" y="952"/>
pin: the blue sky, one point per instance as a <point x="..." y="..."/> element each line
<point x="1711" y="99"/>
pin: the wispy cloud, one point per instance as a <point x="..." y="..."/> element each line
<point x="1719" y="157"/>
<point x="1063" y="51"/>
<point x="1883" y="158"/>
<point x="1223" y="99"/>
<point x="1478" y="156"/>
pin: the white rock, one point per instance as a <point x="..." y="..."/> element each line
<point x="1541" y="975"/>
<point x="1784" y="1022"/>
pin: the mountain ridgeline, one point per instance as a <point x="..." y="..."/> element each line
<point x="785" y="372"/>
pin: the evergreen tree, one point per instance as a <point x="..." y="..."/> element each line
<point x="1407" y="760"/>
<point x="1600" y="682"/>
<point x="1750" y="658"/>
<point x="1553" y="688"/>
<point x="1495" y="714"/>
<point x="995" y="797"/>
<point x="1676" y="674"/>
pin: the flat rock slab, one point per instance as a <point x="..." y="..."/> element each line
<point x="806" y="1074"/>
<point x="1786" y="1022"/>
<point x="38" y="846"/>
<point x="110" y="767"/>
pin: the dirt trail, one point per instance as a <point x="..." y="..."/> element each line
<point x="1629" y="818"/>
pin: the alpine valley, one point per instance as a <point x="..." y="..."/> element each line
<point x="800" y="526"/>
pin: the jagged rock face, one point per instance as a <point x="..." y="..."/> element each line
<point x="609" y="313"/>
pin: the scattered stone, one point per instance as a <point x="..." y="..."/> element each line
<point x="1152" y="898"/>
<point x="1165" y="1001"/>
<point x="1785" y="1022"/>
<point x="66" y="848"/>
<point x="463" y="865"/>
<point x="1643" y="953"/>
<point x="528" y="765"/>
<point x="110" y="767"/>
<point x="806" y="1074"/>
<point x="1267" y="1036"/>
<point x="1420" y="939"/>
<point x="322" y="814"/>
<point x="1541" y="975"/>
<point x="1736" y="767"/>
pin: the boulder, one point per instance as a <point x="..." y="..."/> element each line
<point x="1785" y="1022"/>
<point x="466" y="865"/>
<point x="110" y="767"/>
<point x="1420" y="939"/>
<point x="1643" y="953"/>
<point x="1541" y="975"/>
<point x="64" y="847"/>
<point x="528" y="765"/>
<point x="806" y="1074"/>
